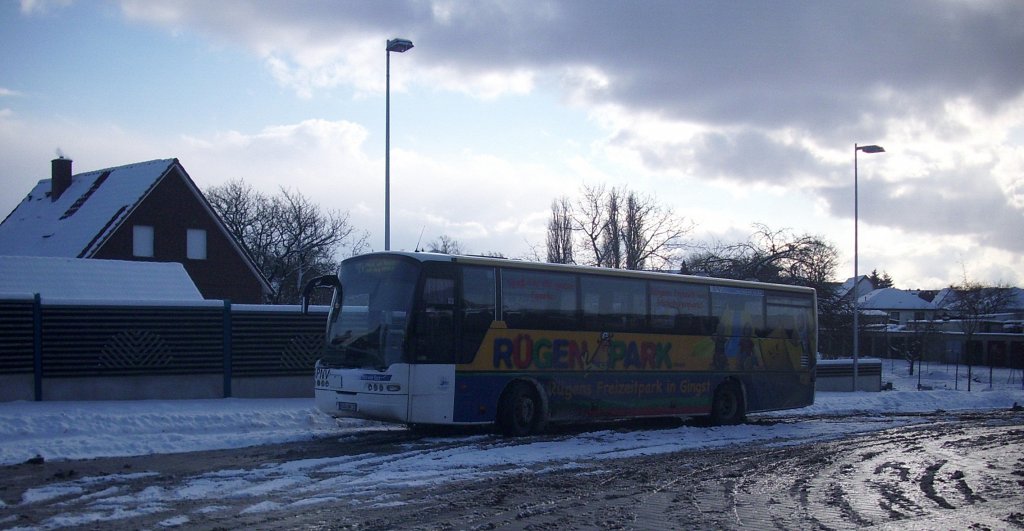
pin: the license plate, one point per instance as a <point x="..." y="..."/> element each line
<point x="346" y="406"/>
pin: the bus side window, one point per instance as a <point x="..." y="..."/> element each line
<point x="694" y="325"/>
<point x="790" y="317"/>
<point x="478" y="305"/>
<point x="539" y="300"/>
<point x="435" y="319"/>
<point x="613" y="304"/>
<point x="740" y="311"/>
<point x="680" y="308"/>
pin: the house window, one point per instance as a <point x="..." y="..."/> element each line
<point x="196" y="242"/>
<point x="142" y="241"/>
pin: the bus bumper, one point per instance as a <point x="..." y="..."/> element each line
<point x="386" y="407"/>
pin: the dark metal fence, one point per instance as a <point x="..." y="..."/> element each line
<point x="16" y="336"/>
<point x="261" y="349"/>
<point x="76" y="340"/>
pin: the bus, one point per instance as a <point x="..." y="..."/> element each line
<point x="436" y="339"/>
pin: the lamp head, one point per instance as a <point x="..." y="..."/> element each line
<point x="399" y="45"/>
<point x="871" y="149"/>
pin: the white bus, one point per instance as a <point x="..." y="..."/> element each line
<point x="424" y="339"/>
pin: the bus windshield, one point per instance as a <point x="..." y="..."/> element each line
<point x="369" y="329"/>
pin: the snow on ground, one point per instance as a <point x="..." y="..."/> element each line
<point x="80" y="430"/>
<point x="73" y="430"/>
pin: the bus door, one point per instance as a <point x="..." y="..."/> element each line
<point x="432" y="347"/>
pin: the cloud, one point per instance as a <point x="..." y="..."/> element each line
<point x="324" y="159"/>
<point x="307" y="46"/>
<point x="741" y="156"/>
<point x="430" y="194"/>
<point x="32" y="7"/>
<point x="742" y="96"/>
<point x="965" y="202"/>
<point x="829" y="69"/>
<point x="933" y="263"/>
<point x="29" y="145"/>
<point x="806" y="66"/>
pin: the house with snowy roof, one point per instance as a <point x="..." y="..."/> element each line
<point x="899" y="306"/>
<point x="143" y="212"/>
<point x="854" y="286"/>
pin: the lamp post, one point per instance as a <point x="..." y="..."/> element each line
<point x="856" y="296"/>
<point x="393" y="45"/>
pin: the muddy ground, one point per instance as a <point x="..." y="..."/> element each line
<point x="950" y="472"/>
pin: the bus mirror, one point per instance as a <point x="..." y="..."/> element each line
<point x="326" y="281"/>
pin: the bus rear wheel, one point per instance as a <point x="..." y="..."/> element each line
<point x="727" y="405"/>
<point x="520" y="411"/>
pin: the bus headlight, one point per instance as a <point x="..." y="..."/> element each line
<point x="377" y="387"/>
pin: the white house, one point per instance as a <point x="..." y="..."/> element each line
<point x="900" y="306"/>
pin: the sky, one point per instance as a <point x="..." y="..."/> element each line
<point x="59" y="431"/>
<point x="731" y="114"/>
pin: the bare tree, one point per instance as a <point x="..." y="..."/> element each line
<point x="611" y="235"/>
<point x="621" y="229"/>
<point x="652" y="235"/>
<point x="445" y="244"/>
<point x="560" y="234"/>
<point x="589" y="222"/>
<point x="971" y="303"/>
<point x="290" y="238"/>
<point x="234" y="202"/>
<point x="250" y="216"/>
<point x="634" y="240"/>
<point x="309" y="237"/>
<point x="769" y="256"/>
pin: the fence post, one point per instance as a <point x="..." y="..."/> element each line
<point x="227" y="348"/>
<point x="37" y="347"/>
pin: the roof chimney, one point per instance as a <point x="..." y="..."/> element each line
<point x="60" y="177"/>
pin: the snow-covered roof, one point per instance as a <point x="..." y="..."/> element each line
<point x="91" y="279"/>
<point x="893" y="299"/>
<point x="1016" y="299"/>
<point x="79" y="221"/>
<point x="947" y="298"/>
<point x="863" y="283"/>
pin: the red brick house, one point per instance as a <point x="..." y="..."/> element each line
<point x="149" y="211"/>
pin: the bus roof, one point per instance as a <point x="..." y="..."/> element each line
<point x="568" y="268"/>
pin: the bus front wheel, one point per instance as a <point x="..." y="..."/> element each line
<point x="521" y="411"/>
<point x="727" y="405"/>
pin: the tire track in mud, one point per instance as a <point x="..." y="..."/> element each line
<point x="907" y="476"/>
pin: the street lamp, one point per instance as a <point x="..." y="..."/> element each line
<point x="856" y="296"/>
<point x="393" y="45"/>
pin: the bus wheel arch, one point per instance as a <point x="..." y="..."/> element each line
<point x="728" y="404"/>
<point x="522" y="408"/>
